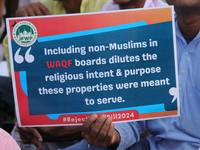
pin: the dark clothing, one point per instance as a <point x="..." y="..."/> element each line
<point x="6" y="95"/>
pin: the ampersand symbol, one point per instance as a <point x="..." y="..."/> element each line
<point x="119" y="73"/>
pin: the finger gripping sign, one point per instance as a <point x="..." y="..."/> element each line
<point x="67" y="70"/>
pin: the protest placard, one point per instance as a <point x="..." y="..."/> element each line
<point x="67" y="67"/>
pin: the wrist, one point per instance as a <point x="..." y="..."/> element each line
<point x="116" y="140"/>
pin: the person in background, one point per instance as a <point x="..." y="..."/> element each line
<point x="7" y="9"/>
<point x="7" y="142"/>
<point x="50" y="7"/>
<point x="130" y="4"/>
<point x="173" y="133"/>
<point x="61" y="137"/>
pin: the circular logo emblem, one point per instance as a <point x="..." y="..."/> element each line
<point x="24" y="33"/>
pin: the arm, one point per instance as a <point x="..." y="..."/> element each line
<point x="49" y="134"/>
<point x="34" y="9"/>
<point x="2" y="4"/>
<point x="2" y="23"/>
<point x="30" y="135"/>
<point x="60" y="133"/>
<point x="130" y="133"/>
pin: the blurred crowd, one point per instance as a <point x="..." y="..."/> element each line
<point x="46" y="138"/>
